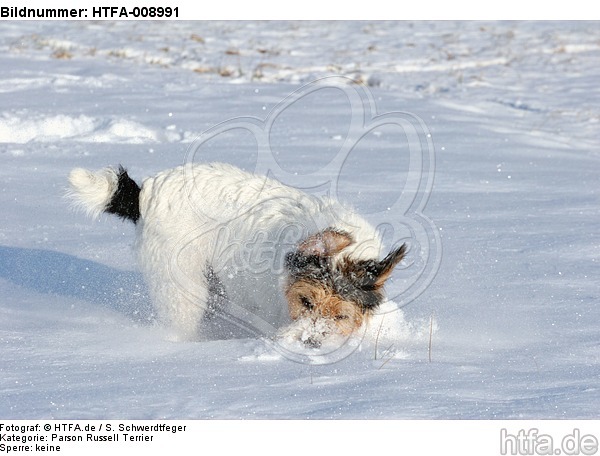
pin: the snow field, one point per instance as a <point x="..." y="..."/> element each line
<point x="512" y="109"/>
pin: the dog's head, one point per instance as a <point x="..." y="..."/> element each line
<point x="325" y="284"/>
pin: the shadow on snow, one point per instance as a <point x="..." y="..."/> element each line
<point x="48" y="272"/>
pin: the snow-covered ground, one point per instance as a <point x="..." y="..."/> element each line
<point x="513" y="111"/>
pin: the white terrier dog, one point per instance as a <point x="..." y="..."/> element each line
<point x="217" y="244"/>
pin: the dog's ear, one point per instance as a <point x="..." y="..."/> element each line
<point x="325" y="243"/>
<point x="311" y="255"/>
<point x="385" y="267"/>
<point x="372" y="274"/>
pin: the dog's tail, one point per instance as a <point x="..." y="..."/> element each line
<point x="107" y="190"/>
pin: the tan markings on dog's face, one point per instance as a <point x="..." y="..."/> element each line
<point x="308" y="299"/>
<point x="342" y="290"/>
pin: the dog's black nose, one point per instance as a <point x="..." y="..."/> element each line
<point x="312" y="342"/>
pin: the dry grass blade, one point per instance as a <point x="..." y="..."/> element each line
<point x="430" y="335"/>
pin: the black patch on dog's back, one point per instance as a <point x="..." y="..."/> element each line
<point x="125" y="200"/>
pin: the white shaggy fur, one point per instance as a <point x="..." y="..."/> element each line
<point x="215" y="220"/>
<point x="92" y="191"/>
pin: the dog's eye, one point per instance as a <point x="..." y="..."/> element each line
<point x="307" y="302"/>
<point x="341" y="317"/>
